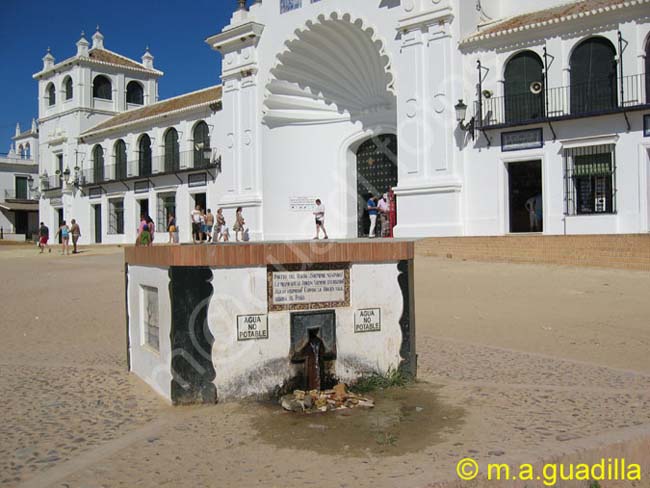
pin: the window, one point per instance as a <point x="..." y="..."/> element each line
<point x="593" y="76"/>
<point x="288" y="5"/>
<point x="134" y="93"/>
<point x="116" y="216"/>
<point x="51" y="94"/>
<point x="67" y="87"/>
<point x="202" y="151"/>
<point x="102" y="88"/>
<point x="522" y="101"/>
<point x="172" y="154"/>
<point x="28" y="151"/>
<point x="120" y="160"/>
<point x="98" y="164"/>
<point x="149" y="307"/>
<point x="144" y="156"/>
<point x="166" y="207"/>
<point x="590" y="180"/>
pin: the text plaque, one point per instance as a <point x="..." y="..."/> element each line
<point x="522" y="139"/>
<point x="367" y="320"/>
<point x="325" y="286"/>
<point x="252" y="327"/>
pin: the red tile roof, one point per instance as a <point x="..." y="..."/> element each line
<point x="188" y="101"/>
<point x="541" y="18"/>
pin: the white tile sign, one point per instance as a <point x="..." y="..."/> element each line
<point x="252" y="327"/>
<point x="302" y="204"/>
<point x="299" y="287"/>
<point x="367" y="320"/>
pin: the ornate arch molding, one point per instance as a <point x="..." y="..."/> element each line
<point x="334" y="68"/>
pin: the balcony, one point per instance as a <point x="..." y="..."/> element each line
<point x="158" y="166"/>
<point x="20" y="196"/>
<point x="600" y="97"/>
<point x="51" y="183"/>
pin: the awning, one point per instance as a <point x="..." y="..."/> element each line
<point x="19" y="206"/>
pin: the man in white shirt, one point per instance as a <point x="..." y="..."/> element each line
<point x="196" y="224"/>
<point x="319" y="214"/>
<point x="382" y="207"/>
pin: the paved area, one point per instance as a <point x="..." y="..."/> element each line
<point x="517" y="364"/>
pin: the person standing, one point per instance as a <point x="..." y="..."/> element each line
<point x="220" y="227"/>
<point x="319" y="215"/>
<point x="238" y="227"/>
<point x="383" y="209"/>
<point x="64" y="232"/>
<point x="534" y="207"/>
<point x="43" y="237"/>
<point x="143" y="232"/>
<point x="372" y="213"/>
<point x="209" y="223"/>
<point x="171" y="228"/>
<point x="76" y="234"/>
<point x="151" y="227"/>
<point x="196" y="223"/>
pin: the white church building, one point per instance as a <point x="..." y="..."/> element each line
<point x="484" y="117"/>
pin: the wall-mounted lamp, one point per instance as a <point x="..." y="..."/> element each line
<point x="461" y="113"/>
<point x="66" y="175"/>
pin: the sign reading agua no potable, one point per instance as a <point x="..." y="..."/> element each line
<point x="367" y="320"/>
<point x="252" y="327"/>
<point x="309" y="289"/>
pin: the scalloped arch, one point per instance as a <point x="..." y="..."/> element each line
<point x="334" y="68"/>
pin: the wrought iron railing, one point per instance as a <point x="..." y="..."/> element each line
<point x="184" y="161"/>
<point x="598" y="97"/>
<point x="53" y="182"/>
<point x="19" y="195"/>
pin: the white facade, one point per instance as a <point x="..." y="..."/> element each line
<point x="306" y="84"/>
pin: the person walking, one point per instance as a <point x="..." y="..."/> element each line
<point x="238" y="226"/>
<point x="209" y="223"/>
<point x="196" y="223"/>
<point x="43" y="237"/>
<point x="171" y="228"/>
<point x="220" y="227"/>
<point x="372" y="213"/>
<point x="76" y="234"/>
<point x="64" y="232"/>
<point x="383" y="209"/>
<point x="319" y="215"/>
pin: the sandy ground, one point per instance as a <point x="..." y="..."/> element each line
<point x="517" y="364"/>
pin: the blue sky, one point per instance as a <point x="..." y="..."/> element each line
<point x="174" y="31"/>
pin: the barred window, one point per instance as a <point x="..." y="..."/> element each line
<point x="590" y="180"/>
<point x="116" y="216"/>
<point x="166" y="207"/>
<point x="149" y="307"/>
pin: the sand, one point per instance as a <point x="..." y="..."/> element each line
<point x="517" y="363"/>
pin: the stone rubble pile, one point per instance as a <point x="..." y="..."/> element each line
<point x="339" y="398"/>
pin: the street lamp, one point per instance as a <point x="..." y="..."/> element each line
<point x="461" y="113"/>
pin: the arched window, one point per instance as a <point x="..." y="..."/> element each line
<point x="102" y="88"/>
<point x="523" y="88"/>
<point x="51" y="94"/>
<point x="593" y="76"/>
<point x="201" y="145"/>
<point x="67" y="87"/>
<point x="98" y="164"/>
<point x="21" y="151"/>
<point x="120" y="160"/>
<point x="144" y="156"/>
<point x="28" y="151"/>
<point x="172" y="153"/>
<point x="134" y="93"/>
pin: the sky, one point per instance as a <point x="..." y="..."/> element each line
<point x="174" y="31"/>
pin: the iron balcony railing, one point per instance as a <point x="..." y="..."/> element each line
<point x="19" y="195"/>
<point x="53" y="182"/>
<point x="595" y="98"/>
<point x="173" y="163"/>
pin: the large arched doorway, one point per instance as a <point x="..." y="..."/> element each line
<point x="376" y="175"/>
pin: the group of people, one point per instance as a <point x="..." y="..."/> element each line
<point x="379" y="207"/>
<point x="207" y="227"/>
<point x="146" y="231"/>
<point x="64" y="231"/>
